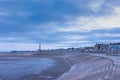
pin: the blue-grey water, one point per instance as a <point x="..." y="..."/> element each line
<point x="14" y="68"/>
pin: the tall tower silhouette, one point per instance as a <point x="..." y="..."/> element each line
<point x="39" y="47"/>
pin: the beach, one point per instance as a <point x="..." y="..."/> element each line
<point x="61" y="67"/>
<point x="32" y="67"/>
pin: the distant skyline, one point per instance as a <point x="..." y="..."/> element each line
<point x="57" y="23"/>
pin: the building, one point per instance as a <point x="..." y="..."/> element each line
<point x="109" y="48"/>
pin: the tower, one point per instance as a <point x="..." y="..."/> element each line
<point x="39" y="47"/>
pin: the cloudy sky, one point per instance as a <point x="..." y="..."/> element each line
<point x="58" y="23"/>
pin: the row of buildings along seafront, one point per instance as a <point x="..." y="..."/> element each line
<point x="110" y="48"/>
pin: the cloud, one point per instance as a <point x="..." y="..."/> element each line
<point x="96" y="5"/>
<point x="117" y="10"/>
<point x="59" y="23"/>
<point x="92" y="23"/>
<point x="18" y="46"/>
<point x="74" y="37"/>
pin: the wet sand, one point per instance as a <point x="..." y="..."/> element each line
<point x="60" y="66"/>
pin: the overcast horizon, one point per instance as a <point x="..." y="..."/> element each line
<point x="57" y="23"/>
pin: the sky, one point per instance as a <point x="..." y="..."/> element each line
<point x="58" y="23"/>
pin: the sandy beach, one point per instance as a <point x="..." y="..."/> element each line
<point x="59" y="67"/>
<point x="68" y="67"/>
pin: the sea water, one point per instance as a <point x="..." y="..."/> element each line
<point x="14" y="68"/>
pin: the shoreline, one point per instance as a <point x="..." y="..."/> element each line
<point x="68" y="67"/>
<point x="60" y="67"/>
